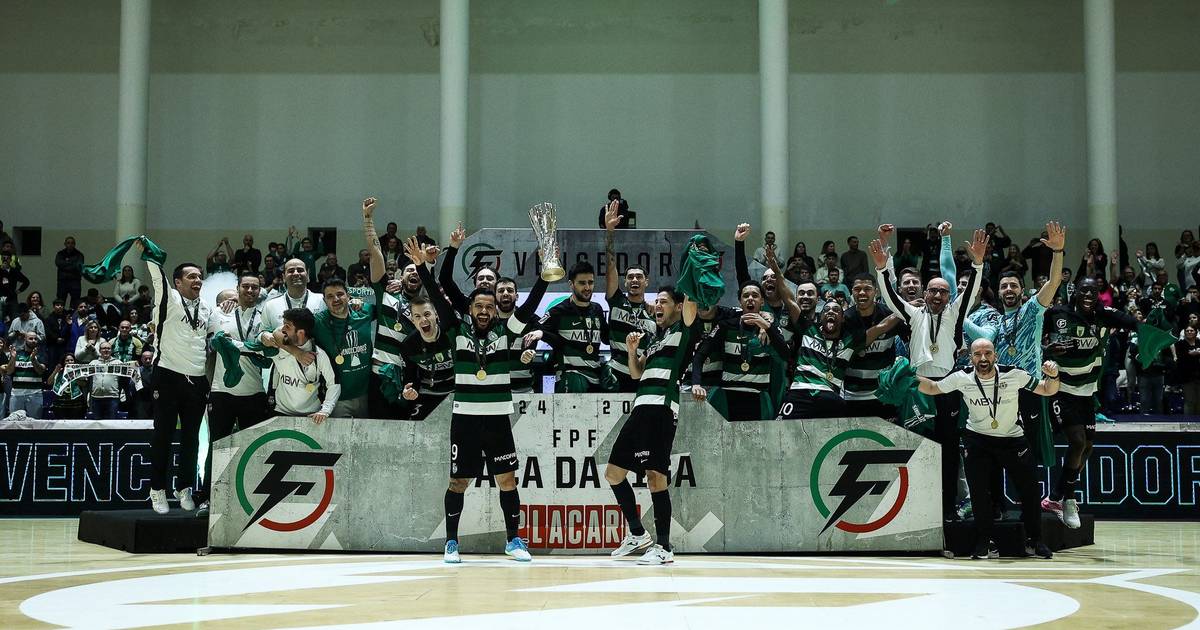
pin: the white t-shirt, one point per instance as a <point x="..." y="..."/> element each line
<point x="272" y="310"/>
<point x="981" y="394"/>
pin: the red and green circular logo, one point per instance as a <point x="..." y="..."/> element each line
<point x="851" y="488"/>
<point x="274" y="484"/>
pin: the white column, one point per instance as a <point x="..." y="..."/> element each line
<point x="1100" y="70"/>
<point x="455" y="51"/>
<point x="773" y="95"/>
<point x="132" y="118"/>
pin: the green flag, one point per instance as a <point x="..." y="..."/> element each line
<point x="230" y="356"/>
<point x="898" y="387"/>
<point x="109" y="267"/>
<point x="1151" y="341"/>
<point x="699" y="275"/>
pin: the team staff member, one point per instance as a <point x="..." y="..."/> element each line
<point x="575" y="328"/>
<point x="747" y="359"/>
<point x="644" y="443"/>
<point x="180" y="388"/>
<point x="245" y="403"/>
<point x="295" y="295"/>
<point x="937" y="333"/>
<point x="995" y="437"/>
<point x="628" y="311"/>
<point x="479" y="426"/>
<point x="302" y="369"/>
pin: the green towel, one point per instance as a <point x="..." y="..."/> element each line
<point x="700" y="273"/>
<point x="1152" y="340"/>
<point x="230" y="356"/>
<point x="392" y="382"/>
<point x="898" y="387"/>
<point x="109" y="267"/>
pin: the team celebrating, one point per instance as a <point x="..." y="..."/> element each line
<point x="788" y="350"/>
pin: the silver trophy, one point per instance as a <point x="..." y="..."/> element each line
<point x="545" y="226"/>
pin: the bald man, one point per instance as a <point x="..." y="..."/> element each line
<point x="296" y="295"/>
<point x="995" y="437"/>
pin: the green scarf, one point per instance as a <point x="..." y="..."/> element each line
<point x="699" y="275"/>
<point x="898" y="387"/>
<point x="392" y="382"/>
<point x="231" y="356"/>
<point x="109" y="267"/>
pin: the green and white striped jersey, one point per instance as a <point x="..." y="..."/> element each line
<point x="394" y="326"/>
<point x="862" y="373"/>
<point x="1081" y="365"/>
<point x="429" y="365"/>
<point x="747" y="362"/>
<point x="576" y="333"/>
<point x="625" y="317"/>
<point x="25" y="377"/>
<point x="665" y="358"/>
<point x="821" y="363"/>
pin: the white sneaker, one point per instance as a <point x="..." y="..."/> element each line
<point x="633" y="543"/>
<point x="657" y="555"/>
<point x="450" y="555"/>
<point x="185" y="499"/>
<point x="1070" y="514"/>
<point x="158" y="501"/>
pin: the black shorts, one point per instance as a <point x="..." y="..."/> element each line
<point x="476" y="439"/>
<point x="802" y="404"/>
<point x="645" y="440"/>
<point x="1068" y="410"/>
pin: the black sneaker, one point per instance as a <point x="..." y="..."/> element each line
<point x="1038" y="549"/>
<point x="985" y="550"/>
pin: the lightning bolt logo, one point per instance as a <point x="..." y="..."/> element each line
<point x="277" y="488"/>
<point x="481" y="256"/>
<point x="851" y="488"/>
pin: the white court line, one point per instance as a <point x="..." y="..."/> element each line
<point x="177" y="565"/>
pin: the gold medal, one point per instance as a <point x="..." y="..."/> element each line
<point x="933" y="348"/>
<point x="481" y="375"/>
<point x="829" y="376"/>
<point x="339" y="359"/>
<point x="995" y="424"/>
<point x="589" y="349"/>
<point x="310" y="388"/>
<point x="397" y="327"/>
<point x="745" y="366"/>
<point x="1012" y="351"/>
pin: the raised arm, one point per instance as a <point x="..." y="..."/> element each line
<point x="946" y="266"/>
<point x="611" y="277"/>
<point x="782" y="288"/>
<point x="739" y="249"/>
<point x="446" y="273"/>
<point x="636" y="364"/>
<point x="1056" y="240"/>
<point x="526" y="311"/>
<point x="883" y="277"/>
<point x="703" y="350"/>
<point x="878" y="330"/>
<point x="378" y="265"/>
<point x="447" y="315"/>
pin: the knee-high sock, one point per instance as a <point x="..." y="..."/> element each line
<point x="454" y="507"/>
<point x="624" y="494"/>
<point x="510" y="503"/>
<point x="662" y="517"/>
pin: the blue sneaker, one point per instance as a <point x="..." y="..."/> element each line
<point x="518" y="550"/>
<point x="450" y="555"/>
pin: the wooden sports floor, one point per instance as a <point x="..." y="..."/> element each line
<point x="1138" y="575"/>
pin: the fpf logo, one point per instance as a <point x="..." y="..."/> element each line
<point x="852" y="489"/>
<point x="480" y="256"/>
<point x="276" y="488"/>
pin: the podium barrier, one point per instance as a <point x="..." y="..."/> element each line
<point x="835" y="485"/>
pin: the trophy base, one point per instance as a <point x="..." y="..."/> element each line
<point x="553" y="274"/>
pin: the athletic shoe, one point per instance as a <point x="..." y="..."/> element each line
<point x="1038" y="549"/>
<point x="985" y="550"/>
<point x="517" y="550"/>
<point x="185" y="499"/>
<point x="1054" y="507"/>
<point x="158" y="501"/>
<point x="633" y="543"/>
<point x="657" y="555"/>
<point x="450" y="555"/>
<point x="1070" y="514"/>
